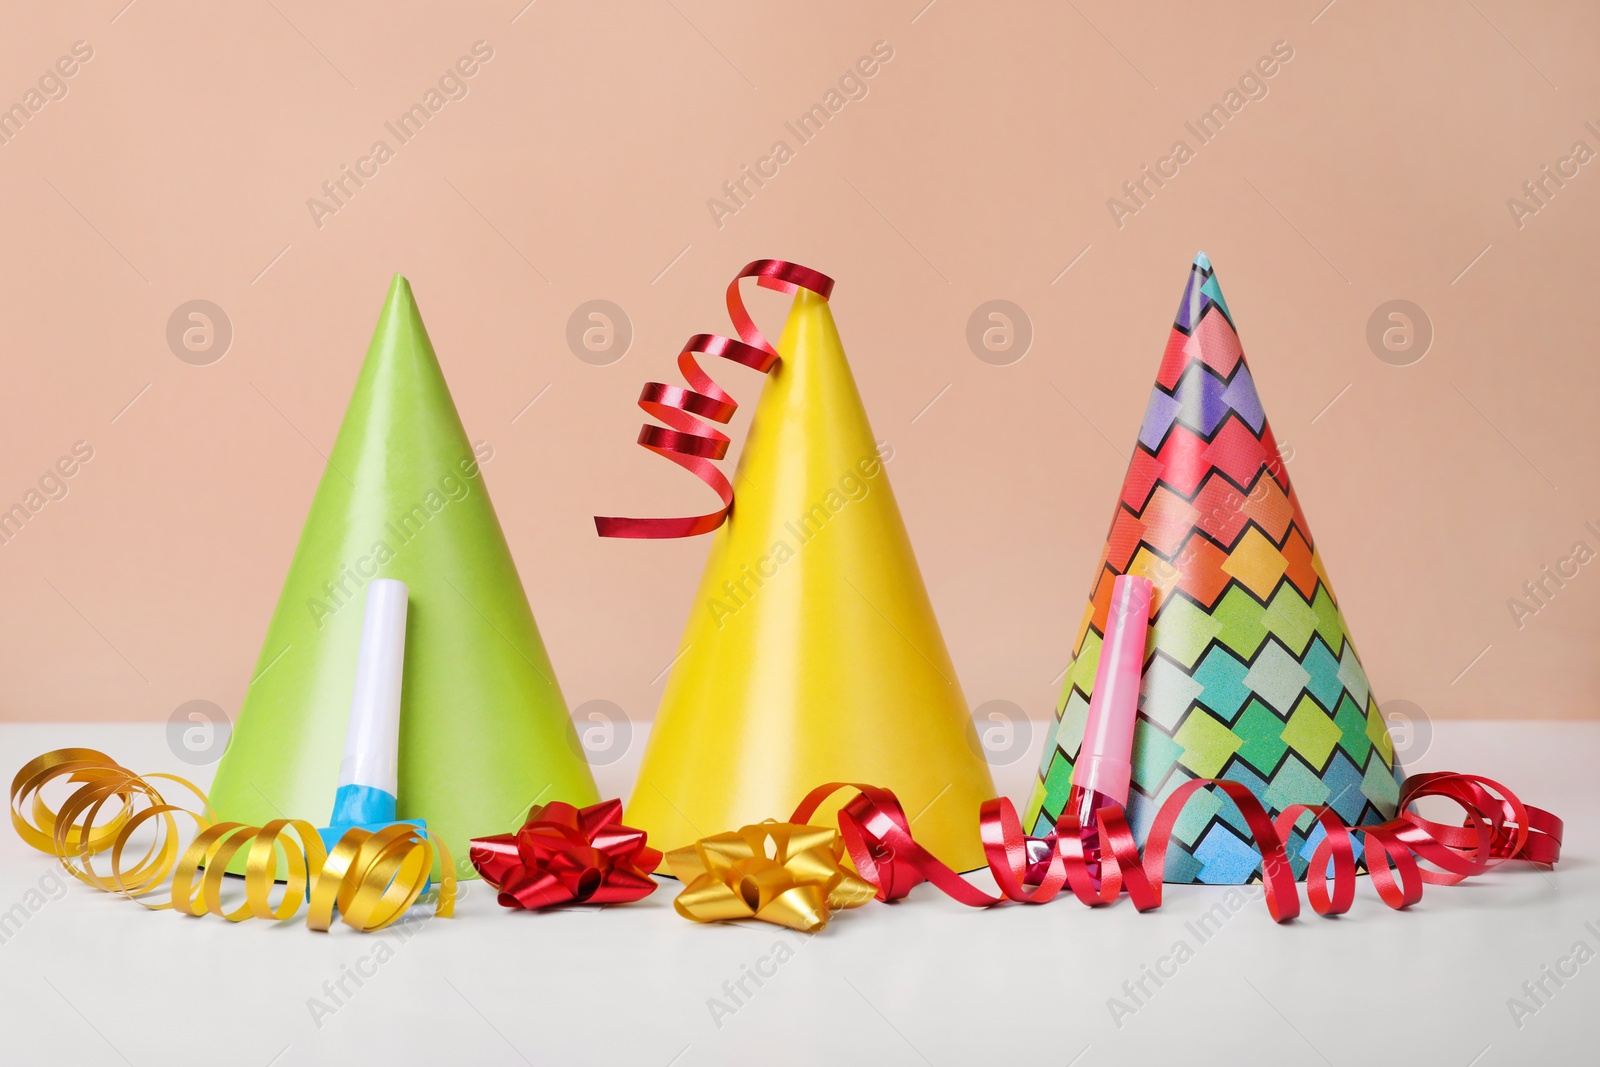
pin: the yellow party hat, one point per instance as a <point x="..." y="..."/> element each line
<point x="812" y="653"/>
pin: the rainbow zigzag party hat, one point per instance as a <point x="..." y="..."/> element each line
<point x="1249" y="672"/>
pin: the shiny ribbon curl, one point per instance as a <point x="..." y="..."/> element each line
<point x="568" y="855"/>
<point x="370" y="878"/>
<point x="784" y="873"/>
<point x="689" y="439"/>
<point x="1033" y="870"/>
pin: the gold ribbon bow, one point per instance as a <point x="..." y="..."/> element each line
<point x="778" y="872"/>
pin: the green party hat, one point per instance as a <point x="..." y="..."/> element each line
<point x="484" y="730"/>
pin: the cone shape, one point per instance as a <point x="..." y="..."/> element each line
<point x="812" y="654"/>
<point x="1249" y="672"/>
<point x="484" y="731"/>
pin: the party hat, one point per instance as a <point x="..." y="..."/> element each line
<point x="1249" y="672"/>
<point x="812" y="653"/>
<point x="484" y="731"/>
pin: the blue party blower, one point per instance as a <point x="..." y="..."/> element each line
<point x="369" y="773"/>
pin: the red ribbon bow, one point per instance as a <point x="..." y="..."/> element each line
<point x="568" y="855"/>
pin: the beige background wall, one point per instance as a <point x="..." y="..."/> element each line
<point x="978" y="166"/>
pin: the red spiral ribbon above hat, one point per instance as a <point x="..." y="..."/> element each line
<point x="688" y="439"/>
<point x="1034" y="870"/>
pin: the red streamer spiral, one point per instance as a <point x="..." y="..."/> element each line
<point x="1033" y="870"/>
<point x="688" y="439"/>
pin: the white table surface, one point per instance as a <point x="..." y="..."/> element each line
<point x="92" y="979"/>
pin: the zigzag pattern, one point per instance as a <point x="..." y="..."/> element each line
<point x="1250" y="674"/>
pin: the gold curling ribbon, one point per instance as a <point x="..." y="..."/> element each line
<point x="783" y="873"/>
<point x="370" y="878"/>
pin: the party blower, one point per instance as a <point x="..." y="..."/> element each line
<point x="1104" y="771"/>
<point x="370" y="771"/>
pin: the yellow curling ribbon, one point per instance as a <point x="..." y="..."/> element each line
<point x="370" y="879"/>
<point x="784" y="873"/>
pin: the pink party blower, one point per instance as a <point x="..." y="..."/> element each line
<point x="1104" y="769"/>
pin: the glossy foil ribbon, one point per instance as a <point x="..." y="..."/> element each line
<point x="568" y="855"/>
<point x="689" y="439"/>
<point x="370" y="878"/>
<point x="785" y="873"/>
<point x="1497" y="827"/>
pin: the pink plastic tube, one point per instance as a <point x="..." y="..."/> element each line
<point x="1104" y="762"/>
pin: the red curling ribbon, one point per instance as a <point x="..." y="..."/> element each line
<point x="1033" y="870"/>
<point x="568" y="855"/>
<point x="688" y="438"/>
